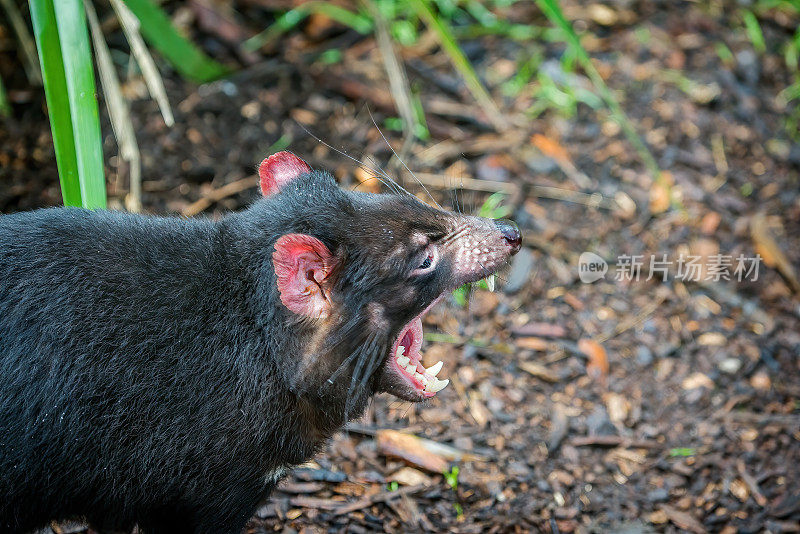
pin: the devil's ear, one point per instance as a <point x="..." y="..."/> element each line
<point x="280" y="169"/>
<point x="304" y="265"/>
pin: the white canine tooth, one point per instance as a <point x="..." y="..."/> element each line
<point x="437" y="386"/>
<point x="418" y="377"/>
<point x="403" y="361"/>
<point x="490" y="282"/>
<point x="434" y="369"/>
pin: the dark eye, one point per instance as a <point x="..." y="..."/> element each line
<point x="428" y="264"/>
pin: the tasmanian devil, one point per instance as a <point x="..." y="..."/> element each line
<point x="167" y="372"/>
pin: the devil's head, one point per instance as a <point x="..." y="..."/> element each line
<point x="358" y="271"/>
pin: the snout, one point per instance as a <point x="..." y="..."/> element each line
<point x="511" y="234"/>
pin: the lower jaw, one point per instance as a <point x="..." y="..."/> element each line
<point x="395" y="385"/>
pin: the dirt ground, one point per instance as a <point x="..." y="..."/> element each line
<point x="616" y="406"/>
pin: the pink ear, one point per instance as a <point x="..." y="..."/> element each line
<point x="303" y="265"/>
<point x="280" y="169"/>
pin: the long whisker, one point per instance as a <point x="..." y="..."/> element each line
<point x="367" y="352"/>
<point x="360" y="163"/>
<point x="375" y="164"/>
<point x="381" y="180"/>
<point x="401" y="161"/>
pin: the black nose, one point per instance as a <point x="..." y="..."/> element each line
<point x="510" y="233"/>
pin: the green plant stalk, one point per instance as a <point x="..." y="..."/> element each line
<point x="553" y="12"/>
<point x="754" y="32"/>
<point x="292" y="18"/>
<point x="184" y="56"/>
<point x="283" y="24"/>
<point x="79" y="72"/>
<point x="460" y="62"/>
<point x="358" y="22"/>
<point x="48" y="44"/>
<point x="5" y="107"/>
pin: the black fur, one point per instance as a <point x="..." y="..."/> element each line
<point x="149" y="373"/>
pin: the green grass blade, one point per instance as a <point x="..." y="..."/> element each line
<point x="553" y="12"/>
<point x="55" y="87"/>
<point x="184" y="56"/>
<point x="282" y="24"/>
<point x="79" y="73"/>
<point x="5" y="107"/>
<point x="460" y="62"/>
<point x="292" y="18"/>
<point x="754" y="31"/>
<point x="343" y="16"/>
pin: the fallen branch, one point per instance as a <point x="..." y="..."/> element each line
<point x="383" y="496"/>
<point x="218" y="194"/>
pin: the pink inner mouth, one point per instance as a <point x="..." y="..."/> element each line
<point x="410" y="338"/>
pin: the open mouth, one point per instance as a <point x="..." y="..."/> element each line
<point x="405" y="360"/>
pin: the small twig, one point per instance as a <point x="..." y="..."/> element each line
<point x="150" y="73"/>
<point x="638" y="319"/>
<point x="216" y="195"/>
<point x="30" y="59"/>
<point x="788" y="420"/>
<point x="593" y="200"/>
<point x="751" y="483"/>
<point x="759" y="232"/>
<point x="613" y="441"/>
<point x="383" y="496"/>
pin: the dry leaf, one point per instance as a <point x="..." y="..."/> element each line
<point x="550" y="148"/>
<point x="424" y="453"/>
<point x="712" y="339"/>
<point x="603" y="15"/>
<point x="618" y="407"/>
<point x="740" y="489"/>
<point x="626" y="207"/>
<point x="710" y="223"/>
<point x="540" y="329"/>
<point x="410" y="448"/>
<point x="770" y="251"/>
<point x="477" y="409"/>
<point x="598" y="360"/>
<point x="367" y="180"/>
<point x="408" y="476"/>
<point x="659" y="198"/>
<point x="539" y="371"/>
<point x="532" y="343"/>
<point x="698" y="380"/>
<point x="683" y="520"/>
<point x="761" y="381"/>
<point x="659" y="517"/>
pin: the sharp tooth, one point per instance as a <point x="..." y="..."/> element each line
<point x="434" y="369"/>
<point x="439" y="385"/>
<point x="418" y="377"/>
<point x="411" y="368"/>
<point x="401" y="350"/>
<point x="403" y="361"/>
<point x="490" y="282"/>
